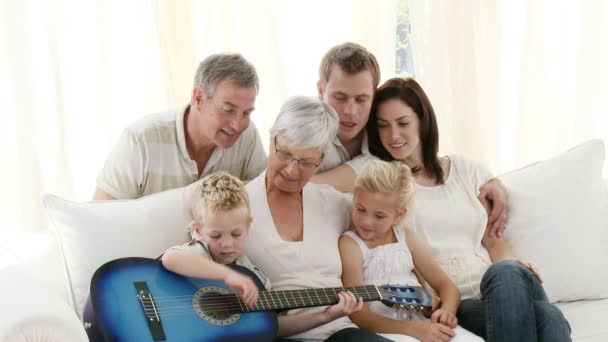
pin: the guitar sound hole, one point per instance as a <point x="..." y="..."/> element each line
<point x="217" y="312"/>
<point x="212" y="309"/>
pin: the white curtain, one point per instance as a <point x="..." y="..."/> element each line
<point x="73" y="74"/>
<point x="513" y="81"/>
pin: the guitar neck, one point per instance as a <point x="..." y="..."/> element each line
<point x="293" y="299"/>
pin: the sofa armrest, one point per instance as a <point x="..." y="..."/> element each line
<point x="32" y="313"/>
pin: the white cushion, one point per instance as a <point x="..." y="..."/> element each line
<point x="93" y="233"/>
<point x="558" y="220"/>
<point x="584" y="316"/>
<point x="31" y="312"/>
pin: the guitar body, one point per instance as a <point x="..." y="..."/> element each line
<point x="120" y="315"/>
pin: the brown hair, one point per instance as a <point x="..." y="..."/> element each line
<point x="352" y="58"/>
<point x="412" y="94"/>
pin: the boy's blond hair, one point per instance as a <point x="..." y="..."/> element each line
<point x="388" y="177"/>
<point x="218" y="191"/>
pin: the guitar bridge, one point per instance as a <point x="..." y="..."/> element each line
<point x="150" y="310"/>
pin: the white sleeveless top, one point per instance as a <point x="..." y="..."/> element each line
<point x="452" y="220"/>
<point x="388" y="264"/>
<point x="311" y="263"/>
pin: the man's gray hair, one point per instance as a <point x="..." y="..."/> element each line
<point x="218" y="67"/>
<point x="306" y="122"/>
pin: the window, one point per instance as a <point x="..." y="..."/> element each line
<point x="404" y="59"/>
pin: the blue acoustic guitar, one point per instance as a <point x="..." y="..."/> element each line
<point x="137" y="300"/>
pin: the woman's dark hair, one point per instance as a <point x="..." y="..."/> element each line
<point x="412" y="94"/>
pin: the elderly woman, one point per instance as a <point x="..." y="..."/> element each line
<point x="296" y="224"/>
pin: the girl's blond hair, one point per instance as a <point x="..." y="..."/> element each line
<point x="388" y="177"/>
<point x="218" y="191"/>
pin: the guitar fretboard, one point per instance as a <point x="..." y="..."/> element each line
<point x="291" y="299"/>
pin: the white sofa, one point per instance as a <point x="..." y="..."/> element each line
<point x="37" y="303"/>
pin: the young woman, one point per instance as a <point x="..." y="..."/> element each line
<point x="503" y="299"/>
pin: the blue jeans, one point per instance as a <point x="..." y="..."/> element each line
<point x="514" y="307"/>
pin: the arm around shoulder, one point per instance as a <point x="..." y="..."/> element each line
<point x="342" y="178"/>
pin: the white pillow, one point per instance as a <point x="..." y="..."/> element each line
<point x="558" y="220"/>
<point x="93" y="233"/>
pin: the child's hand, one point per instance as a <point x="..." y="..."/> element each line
<point x="348" y="304"/>
<point x="431" y="332"/>
<point x="436" y="305"/>
<point x="444" y="317"/>
<point x="243" y="286"/>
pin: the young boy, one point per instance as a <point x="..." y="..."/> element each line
<point x="220" y="207"/>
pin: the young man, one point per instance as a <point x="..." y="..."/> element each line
<point x="348" y="78"/>
<point x="178" y="147"/>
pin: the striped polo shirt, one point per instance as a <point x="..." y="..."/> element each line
<point x="151" y="156"/>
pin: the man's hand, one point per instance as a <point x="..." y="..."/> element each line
<point x="493" y="196"/>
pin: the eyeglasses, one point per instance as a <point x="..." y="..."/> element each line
<point x="288" y="158"/>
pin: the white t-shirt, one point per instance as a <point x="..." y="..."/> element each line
<point x="453" y="221"/>
<point x="336" y="155"/>
<point x="311" y="263"/>
<point x="151" y="156"/>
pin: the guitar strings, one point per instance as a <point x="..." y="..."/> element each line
<point x="231" y="302"/>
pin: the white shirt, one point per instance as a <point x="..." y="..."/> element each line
<point x="452" y="220"/>
<point x="313" y="262"/>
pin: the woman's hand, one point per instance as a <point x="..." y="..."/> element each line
<point x="444" y="317"/>
<point x="531" y="267"/>
<point x="243" y="286"/>
<point x="494" y="197"/>
<point x="348" y="304"/>
<point x="431" y="332"/>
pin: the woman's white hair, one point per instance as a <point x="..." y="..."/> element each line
<point x="306" y="122"/>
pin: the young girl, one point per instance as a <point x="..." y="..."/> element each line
<point x="379" y="250"/>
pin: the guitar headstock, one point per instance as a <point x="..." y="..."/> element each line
<point x="406" y="297"/>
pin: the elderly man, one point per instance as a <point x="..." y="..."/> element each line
<point x="176" y="148"/>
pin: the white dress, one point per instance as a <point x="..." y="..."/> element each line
<point x="393" y="264"/>
<point x="388" y="264"/>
